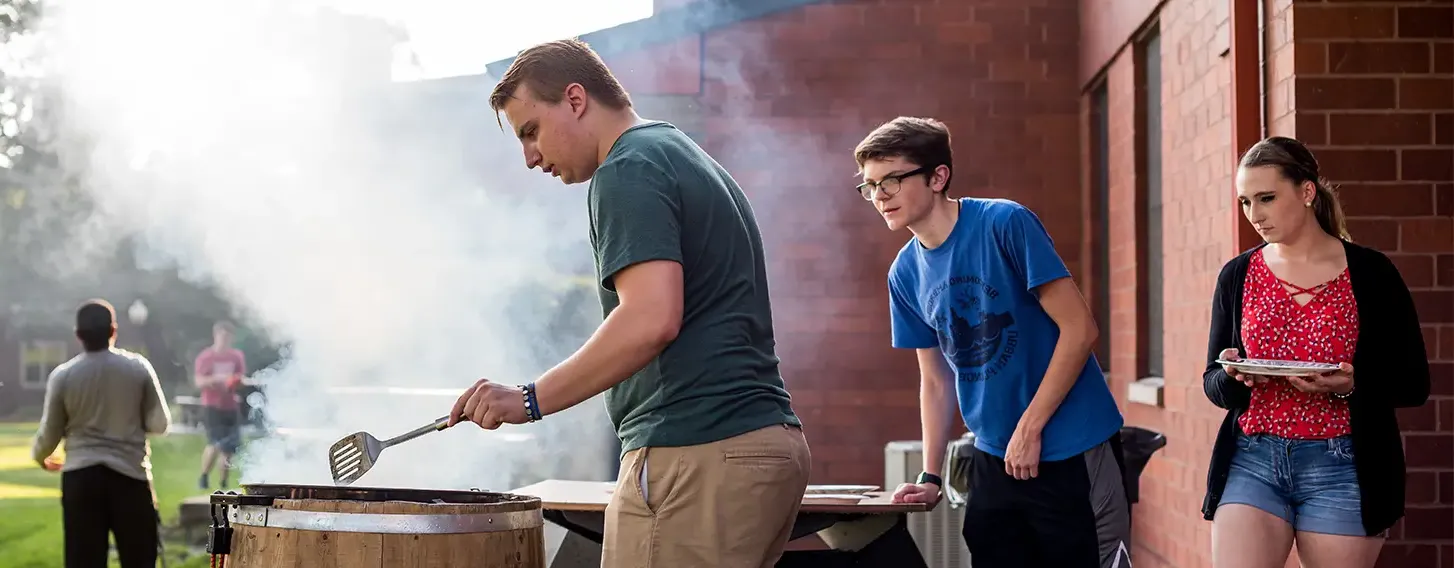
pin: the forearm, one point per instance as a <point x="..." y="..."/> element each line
<point x="624" y="343"/>
<point x="1072" y="350"/>
<point x="47" y="438"/>
<point x="938" y="411"/>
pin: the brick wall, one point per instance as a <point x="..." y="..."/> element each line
<point x="1197" y="240"/>
<point x="1371" y="87"/>
<point x="1373" y="95"/>
<point x="784" y="99"/>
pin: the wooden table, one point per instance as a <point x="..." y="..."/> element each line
<point x="871" y="532"/>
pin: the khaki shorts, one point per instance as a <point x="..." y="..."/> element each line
<point x="730" y="503"/>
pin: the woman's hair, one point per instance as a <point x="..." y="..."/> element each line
<point x="1297" y="164"/>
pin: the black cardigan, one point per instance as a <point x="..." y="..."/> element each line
<point x="1390" y="346"/>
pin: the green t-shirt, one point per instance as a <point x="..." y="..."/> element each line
<point x="659" y="196"/>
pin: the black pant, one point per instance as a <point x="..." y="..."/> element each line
<point x="98" y="502"/>
<point x="1050" y="520"/>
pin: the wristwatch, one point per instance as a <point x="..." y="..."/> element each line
<point x="926" y="477"/>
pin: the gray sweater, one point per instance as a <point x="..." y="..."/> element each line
<point x="103" y="403"/>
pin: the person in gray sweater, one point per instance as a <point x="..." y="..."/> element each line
<point x="103" y="403"/>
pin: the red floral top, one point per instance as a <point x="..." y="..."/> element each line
<point x="1275" y="326"/>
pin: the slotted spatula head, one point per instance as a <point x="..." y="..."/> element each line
<point x="353" y="456"/>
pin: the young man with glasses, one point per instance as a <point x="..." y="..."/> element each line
<point x="995" y="317"/>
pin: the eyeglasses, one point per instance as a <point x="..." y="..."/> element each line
<point x="889" y="185"/>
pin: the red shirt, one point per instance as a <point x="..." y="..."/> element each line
<point x="1275" y="326"/>
<point x="229" y="362"/>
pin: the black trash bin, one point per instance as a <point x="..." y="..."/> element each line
<point x="1137" y="446"/>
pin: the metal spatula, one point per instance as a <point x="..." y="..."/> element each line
<point x="354" y="455"/>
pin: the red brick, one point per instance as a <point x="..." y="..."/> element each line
<point x="1446" y="414"/>
<point x="1419" y="419"/>
<point x="1446" y="487"/>
<point x="1444" y="199"/>
<point x="1426" y="92"/>
<point x="1444" y="274"/>
<point x="1358" y="165"/>
<point x="1441" y="378"/>
<point x="1430" y="234"/>
<point x="1417" y="270"/>
<point x="1434" y="306"/>
<point x="1444" y="128"/>
<point x="1422" y="488"/>
<point x="1425" y="22"/>
<point x="1346" y="58"/>
<point x="1429" y="523"/>
<point x="1311" y="58"/>
<point x="1342" y="22"/>
<point x="1380" y="129"/>
<point x="1318" y="93"/>
<point x="1427" y="165"/>
<point x="1444" y="58"/>
<point x="1429" y="450"/>
<point x="1424" y="418"/>
<point x="1401" y="200"/>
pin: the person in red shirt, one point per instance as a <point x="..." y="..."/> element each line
<point x="1316" y="460"/>
<point x="218" y="371"/>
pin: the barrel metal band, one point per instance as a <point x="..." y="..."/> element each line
<point x="259" y="516"/>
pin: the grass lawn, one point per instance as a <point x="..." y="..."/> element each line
<point x="30" y="506"/>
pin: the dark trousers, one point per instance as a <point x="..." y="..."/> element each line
<point x="98" y="502"/>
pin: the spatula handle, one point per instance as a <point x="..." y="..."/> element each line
<point x="436" y="426"/>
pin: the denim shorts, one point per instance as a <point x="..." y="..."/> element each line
<point x="1311" y="484"/>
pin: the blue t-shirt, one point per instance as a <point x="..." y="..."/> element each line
<point x="973" y="297"/>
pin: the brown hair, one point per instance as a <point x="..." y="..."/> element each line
<point x="923" y="141"/>
<point x="550" y="67"/>
<point x="1297" y="164"/>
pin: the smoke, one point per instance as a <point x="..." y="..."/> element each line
<point x="385" y="231"/>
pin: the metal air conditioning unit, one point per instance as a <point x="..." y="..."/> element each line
<point x="938" y="532"/>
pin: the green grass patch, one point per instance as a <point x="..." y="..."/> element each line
<point x="30" y="506"/>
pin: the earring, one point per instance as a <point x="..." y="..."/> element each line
<point x="1308" y="204"/>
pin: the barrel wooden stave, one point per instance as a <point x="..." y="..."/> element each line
<point x="268" y="547"/>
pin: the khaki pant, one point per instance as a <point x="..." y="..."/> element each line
<point x="727" y="504"/>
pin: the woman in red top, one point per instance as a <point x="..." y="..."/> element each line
<point x="1312" y="460"/>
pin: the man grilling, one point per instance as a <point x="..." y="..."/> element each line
<point x="218" y="371"/>
<point x="715" y="463"/>
<point x="104" y="402"/>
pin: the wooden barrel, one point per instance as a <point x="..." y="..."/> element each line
<point x="494" y="530"/>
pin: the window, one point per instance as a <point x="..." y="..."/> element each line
<point x="37" y="359"/>
<point x="1152" y="251"/>
<point x="1100" y="194"/>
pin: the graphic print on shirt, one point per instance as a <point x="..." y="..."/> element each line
<point x="975" y="324"/>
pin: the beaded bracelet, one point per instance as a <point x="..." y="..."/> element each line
<point x="532" y="407"/>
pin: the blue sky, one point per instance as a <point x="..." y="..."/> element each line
<point x="450" y="37"/>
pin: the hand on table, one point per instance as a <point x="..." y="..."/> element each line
<point x="489" y="405"/>
<point x="927" y="493"/>
<point x="1232" y="354"/>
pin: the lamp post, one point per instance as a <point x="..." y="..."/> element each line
<point x="137" y="313"/>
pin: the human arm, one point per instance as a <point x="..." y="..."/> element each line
<point x="1031" y="252"/>
<point x="648" y="319"/>
<point x="156" y="416"/>
<point x="635" y="217"/>
<point x="1222" y="389"/>
<point x="52" y="422"/>
<point x="202" y="371"/>
<point x="938" y="405"/>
